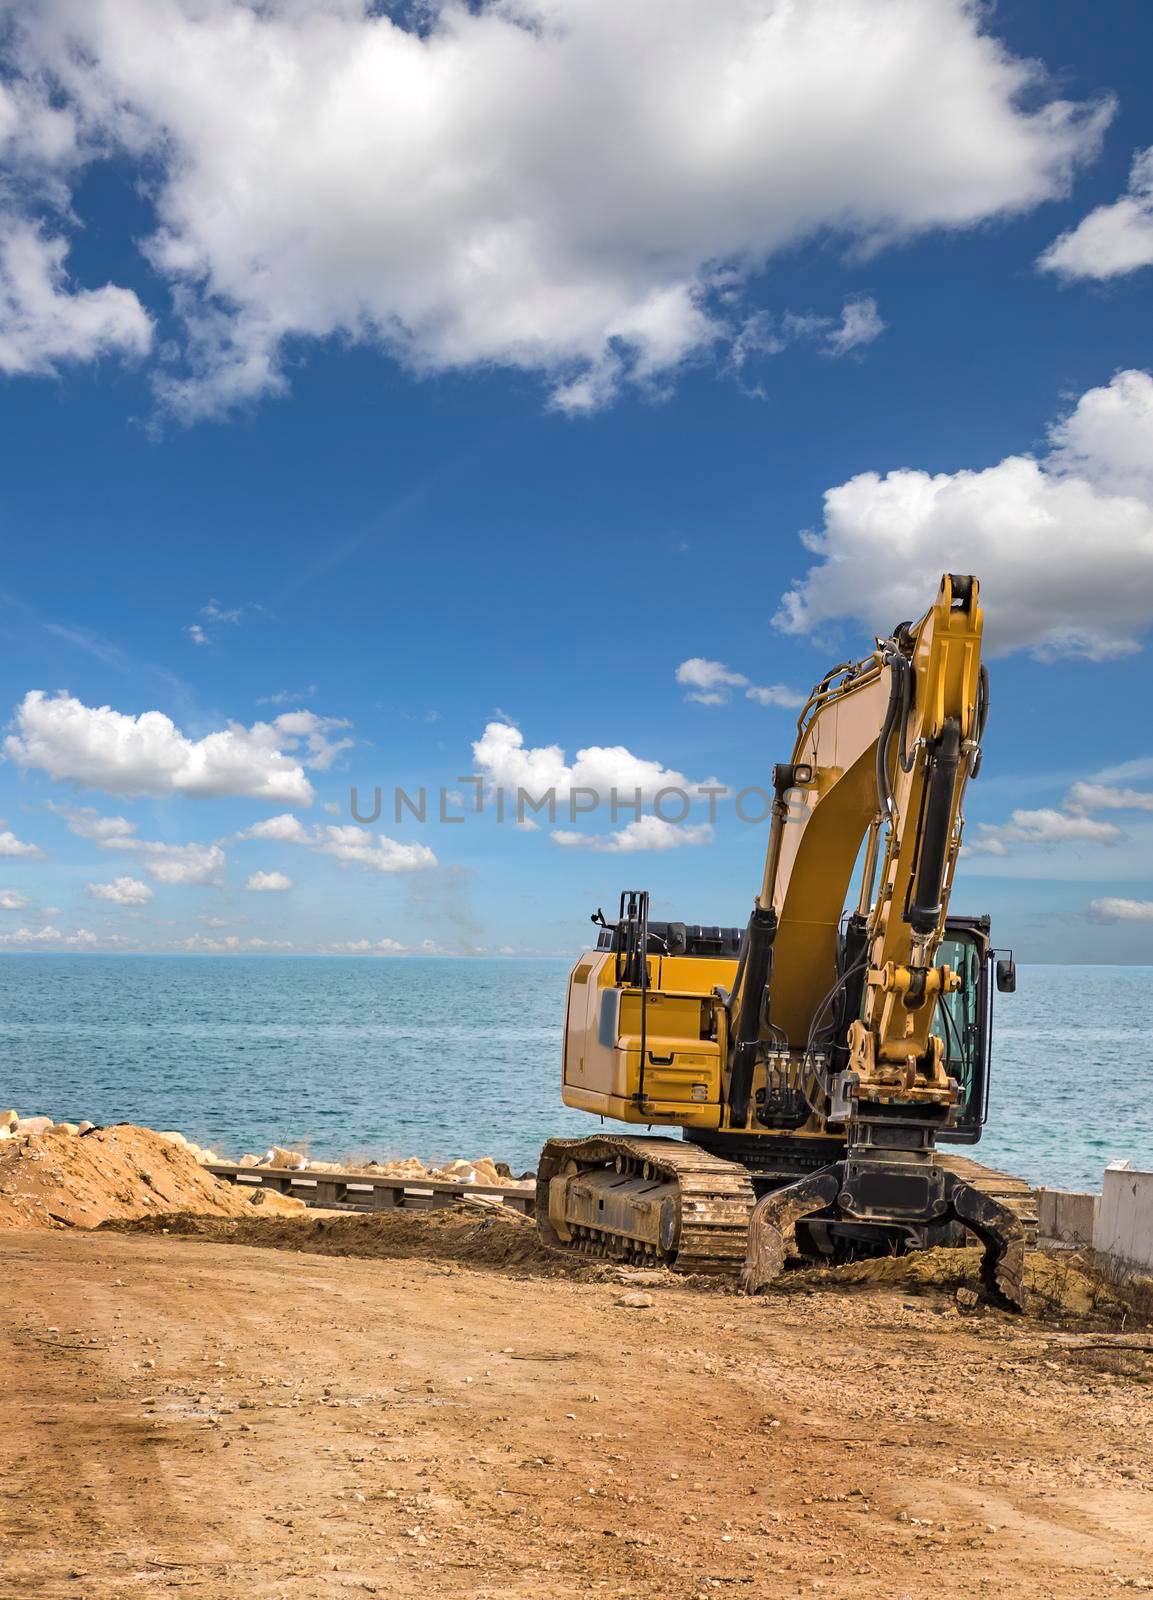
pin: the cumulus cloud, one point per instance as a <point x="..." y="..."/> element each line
<point x="87" y="823"/>
<point x="167" y="863"/>
<point x="1113" y="239"/>
<point x="99" y="748"/>
<point x="575" y="188"/>
<point x="233" y="944"/>
<point x="12" y="900"/>
<point x="1046" y="826"/>
<point x="285" y="829"/>
<point x="1107" y="797"/>
<point x="315" y="734"/>
<point x="646" y="833"/>
<point x="368" y="947"/>
<point x="122" y="892"/>
<point x="43" y="323"/>
<point x="349" y="844"/>
<point x="180" y="864"/>
<point x="10" y="845"/>
<point x="709" y="684"/>
<point x="1114" y="909"/>
<point x="503" y="758"/>
<point x="268" y="882"/>
<point x="49" y="934"/>
<point x="1063" y="545"/>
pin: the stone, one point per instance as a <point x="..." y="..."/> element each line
<point x="635" y="1301"/>
<point x="32" y="1125"/>
<point x="967" y="1299"/>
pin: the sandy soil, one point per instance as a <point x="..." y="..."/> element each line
<point x="183" y="1414"/>
<point x="68" y="1180"/>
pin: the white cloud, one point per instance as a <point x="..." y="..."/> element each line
<point x="216" y="616"/>
<point x="268" y="882"/>
<point x="776" y="694"/>
<point x="1112" y="239"/>
<point x="1063" y="545"/>
<point x="1113" y="909"/>
<point x="1044" y="827"/>
<point x="49" y="934"/>
<point x="646" y="833"/>
<point x="860" y="324"/>
<point x="353" y="846"/>
<point x="285" y="829"/>
<point x="576" y="188"/>
<point x="122" y="892"/>
<point x="99" y="748"/>
<point x="368" y="947"/>
<point x="501" y="756"/>
<point x="181" y="864"/>
<point x="1107" y="797"/>
<point x="321" y="750"/>
<point x="287" y="697"/>
<point x="199" y="943"/>
<point x="12" y="900"/>
<point x="43" y="323"/>
<point x="88" y="823"/>
<point x="10" y="845"/>
<point x="709" y="684"/>
<point x="350" y="845"/>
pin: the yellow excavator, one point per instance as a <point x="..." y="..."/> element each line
<point x="812" y="1060"/>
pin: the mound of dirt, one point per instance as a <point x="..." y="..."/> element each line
<point x="1059" y="1285"/>
<point x="57" y="1178"/>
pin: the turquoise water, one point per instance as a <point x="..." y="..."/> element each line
<point x="441" y="1058"/>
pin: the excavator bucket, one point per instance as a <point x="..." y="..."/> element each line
<point x="772" y="1228"/>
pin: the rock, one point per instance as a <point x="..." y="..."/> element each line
<point x="280" y="1205"/>
<point x="85" y="1127"/>
<point x="172" y="1137"/>
<point x="33" y="1125"/>
<point x="65" y="1127"/>
<point x="635" y="1301"/>
<point x="967" y="1299"/>
<point x="9" y="1119"/>
<point x="249" y="1160"/>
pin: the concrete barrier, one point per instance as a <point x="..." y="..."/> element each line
<point x="1066" y="1218"/>
<point x="1124" y="1228"/>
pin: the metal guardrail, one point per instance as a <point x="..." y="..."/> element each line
<point x="367" y="1191"/>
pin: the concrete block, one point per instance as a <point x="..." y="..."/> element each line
<point x="1125" y="1218"/>
<point x="1066" y="1217"/>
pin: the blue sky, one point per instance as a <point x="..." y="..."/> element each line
<point x="485" y="376"/>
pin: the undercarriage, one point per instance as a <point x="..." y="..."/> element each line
<point x="670" y="1202"/>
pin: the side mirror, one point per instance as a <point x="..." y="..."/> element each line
<point x="1007" y="976"/>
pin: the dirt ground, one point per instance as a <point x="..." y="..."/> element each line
<point x="183" y="1414"/>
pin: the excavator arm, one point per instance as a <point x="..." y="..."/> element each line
<point x="884" y="749"/>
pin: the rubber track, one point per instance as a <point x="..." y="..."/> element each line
<point x="716" y="1199"/>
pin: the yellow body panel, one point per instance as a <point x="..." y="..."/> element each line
<point x="684" y="1057"/>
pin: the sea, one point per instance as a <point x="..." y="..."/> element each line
<point x="438" y="1057"/>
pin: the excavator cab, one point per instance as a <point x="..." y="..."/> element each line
<point x="964" y="1021"/>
